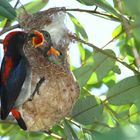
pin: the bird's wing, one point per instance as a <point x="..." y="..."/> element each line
<point x="12" y="79"/>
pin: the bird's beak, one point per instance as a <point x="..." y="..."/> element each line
<point x="37" y="39"/>
<point x="53" y="51"/>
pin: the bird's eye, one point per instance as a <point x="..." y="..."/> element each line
<point x="46" y="35"/>
<point x="61" y="54"/>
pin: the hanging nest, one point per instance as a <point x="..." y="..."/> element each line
<point x="59" y="90"/>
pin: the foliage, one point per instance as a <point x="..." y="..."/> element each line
<point x="115" y="113"/>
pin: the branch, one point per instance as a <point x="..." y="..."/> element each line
<point x="1" y="41"/>
<point x="16" y="4"/>
<point x="103" y="52"/>
<point x="9" y="28"/>
<point x="112" y="40"/>
<point x="92" y="12"/>
<point x="49" y="132"/>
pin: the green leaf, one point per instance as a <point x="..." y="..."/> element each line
<point x="131" y="7"/>
<point x="125" y="91"/>
<point x="102" y="4"/>
<point x="69" y="131"/>
<point x="78" y="27"/>
<point x="6" y="10"/>
<point x="2" y="23"/>
<point x="83" y="73"/>
<point x="133" y="113"/>
<point x="110" y="79"/>
<point x="99" y="63"/>
<point x="117" y="31"/>
<point x="116" y="69"/>
<point x="87" y="110"/>
<point x="34" y="6"/>
<point x="102" y="65"/>
<point x="82" y="51"/>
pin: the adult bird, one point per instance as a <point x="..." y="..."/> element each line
<point x="16" y="74"/>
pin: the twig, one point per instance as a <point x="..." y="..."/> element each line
<point x="79" y="126"/>
<point x="103" y="124"/>
<point x="103" y="52"/>
<point x="114" y="114"/>
<point x="93" y="12"/>
<point x="112" y="39"/>
<point x="89" y="129"/>
<point x="1" y="41"/>
<point x="49" y="132"/>
<point x="9" y="28"/>
<point x="16" y="4"/>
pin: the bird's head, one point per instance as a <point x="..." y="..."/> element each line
<point x="41" y="39"/>
<point x="14" y="42"/>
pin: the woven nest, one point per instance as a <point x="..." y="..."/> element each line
<point x="59" y="91"/>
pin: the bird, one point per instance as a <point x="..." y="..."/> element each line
<point x="16" y="73"/>
<point x="53" y="84"/>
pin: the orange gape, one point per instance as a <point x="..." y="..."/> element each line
<point x="7" y="68"/>
<point x="38" y="40"/>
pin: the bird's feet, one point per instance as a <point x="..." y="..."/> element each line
<point x="39" y="83"/>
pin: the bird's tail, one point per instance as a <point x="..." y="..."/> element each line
<point x="19" y="119"/>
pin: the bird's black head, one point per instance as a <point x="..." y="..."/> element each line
<point x="14" y="42"/>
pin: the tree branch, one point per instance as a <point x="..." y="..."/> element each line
<point x="93" y="12"/>
<point x="103" y="52"/>
<point x="16" y="4"/>
<point x="9" y="28"/>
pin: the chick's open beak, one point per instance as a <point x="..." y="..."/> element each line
<point x="38" y="39"/>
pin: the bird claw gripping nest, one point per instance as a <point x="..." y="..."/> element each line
<point x="59" y="89"/>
